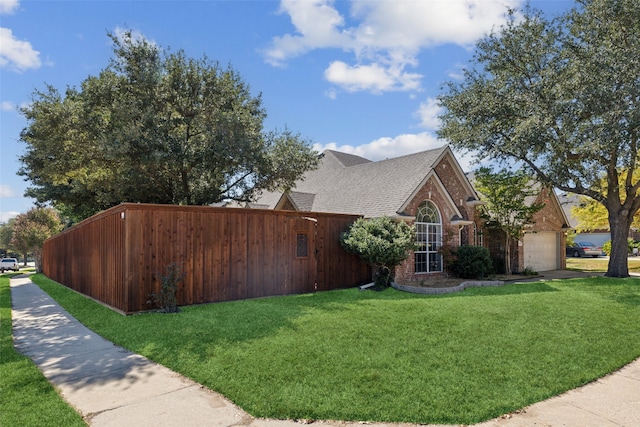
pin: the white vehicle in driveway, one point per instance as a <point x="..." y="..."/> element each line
<point x="9" y="264"/>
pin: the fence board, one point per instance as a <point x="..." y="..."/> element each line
<point x="117" y="256"/>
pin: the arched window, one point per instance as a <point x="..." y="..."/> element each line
<point x="429" y="238"/>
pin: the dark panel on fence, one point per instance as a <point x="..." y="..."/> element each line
<point x="118" y="256"/>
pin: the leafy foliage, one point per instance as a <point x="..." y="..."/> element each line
<point x="592" y="215"/>
<point x="380" y="242"/>
<point x="155" y="127"/>
<point x="32" y="228"/>
<point x="472" y="262"/>
<point x="510" y="203"/>
<point x="6" y="234"/>
<point x="561" y="96"/>
<point x="631" y="244"/>
<point x="166" y="299"/>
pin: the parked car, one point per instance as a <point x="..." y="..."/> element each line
<point x="9" y="264"/>
<point x="580" y="249"/>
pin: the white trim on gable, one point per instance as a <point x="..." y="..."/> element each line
<point x="462" y="177"/>
<point x="441" y="189"/>
<point x="283" y="200"/>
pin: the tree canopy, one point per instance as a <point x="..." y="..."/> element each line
<point x="32" y="228"/>
<point x="6" y="234"/>
<point x="562" y="96"/>
<point x="155" y="127"/>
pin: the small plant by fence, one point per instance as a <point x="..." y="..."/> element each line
<point x="166" y="299"/>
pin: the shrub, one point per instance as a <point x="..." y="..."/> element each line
<point x="448" y="251"/>
<point x="473" y="262"/>
<point x="606" y="247"/>
<point x="380" y="242"/>
<point x="498" y="265"/>
<point x="166" y="300"/>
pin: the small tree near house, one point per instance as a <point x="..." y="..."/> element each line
<point x="509" y="205"/>
<point x="380" y="242"/>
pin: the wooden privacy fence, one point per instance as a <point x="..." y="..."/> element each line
<point x="117" y="256"/>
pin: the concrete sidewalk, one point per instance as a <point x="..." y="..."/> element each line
<point x="111" y="386"/>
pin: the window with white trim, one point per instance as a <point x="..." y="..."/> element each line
<point x="478" y="236"/>
<point x="429" y="238"/>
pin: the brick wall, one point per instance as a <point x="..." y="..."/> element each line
<point x="549" y="218"/>
<point x="452" y="234"/>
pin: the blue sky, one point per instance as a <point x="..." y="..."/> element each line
<point x="356" y="76"/>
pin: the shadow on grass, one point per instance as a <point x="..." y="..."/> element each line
<point x="487" y="291"/>
<point x="204" y="326"/>
<point x="221" y="345"/>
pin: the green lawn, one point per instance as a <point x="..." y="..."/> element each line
<point x="389" y="356"/>
<point x="26" y="397"/>
<point x="598" y="264"/>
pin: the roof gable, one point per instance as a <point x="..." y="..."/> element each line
<point x="346" y="159"/>
<point x="300" y="201"/>
<point x="553" y="203"/>
<point x="345" y="183"/>
<point x="462" y="179"/>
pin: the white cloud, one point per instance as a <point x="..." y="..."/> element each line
<point x="6" y="216"/>
<point x="374" y="78"/>
<point x="17" y="55"/>
<point x="409" y="26"/>
<point x="428" y="113"/>
<point x="385" y="36"/>
<point x="332" y="93"/>
<point x="6" y="191"/>
<point x="7" y="7"/>
<point x="387" y="148"/>
<point x="7" y="106"/>
<point x="317" y="25"/>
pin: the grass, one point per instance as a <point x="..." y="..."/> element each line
<point x="27" y="398"/>
<point x="598" y="264"/>
<point x="389" y="356"/>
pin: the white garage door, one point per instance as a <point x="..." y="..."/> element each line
<point x="541" y="251"/>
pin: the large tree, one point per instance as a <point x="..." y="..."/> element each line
<point x="561" y="96"/>
<point x="155" y="127"/>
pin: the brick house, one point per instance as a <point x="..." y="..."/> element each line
<point x="542" y="247"/>
<point x="428" y="189"/>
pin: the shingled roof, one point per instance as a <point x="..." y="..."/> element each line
<point x="345" y="183"/>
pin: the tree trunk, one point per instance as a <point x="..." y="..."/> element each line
<point x="507" y="254"/>
<point x="618" y="259"/>
<point x="37" y="256"/>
